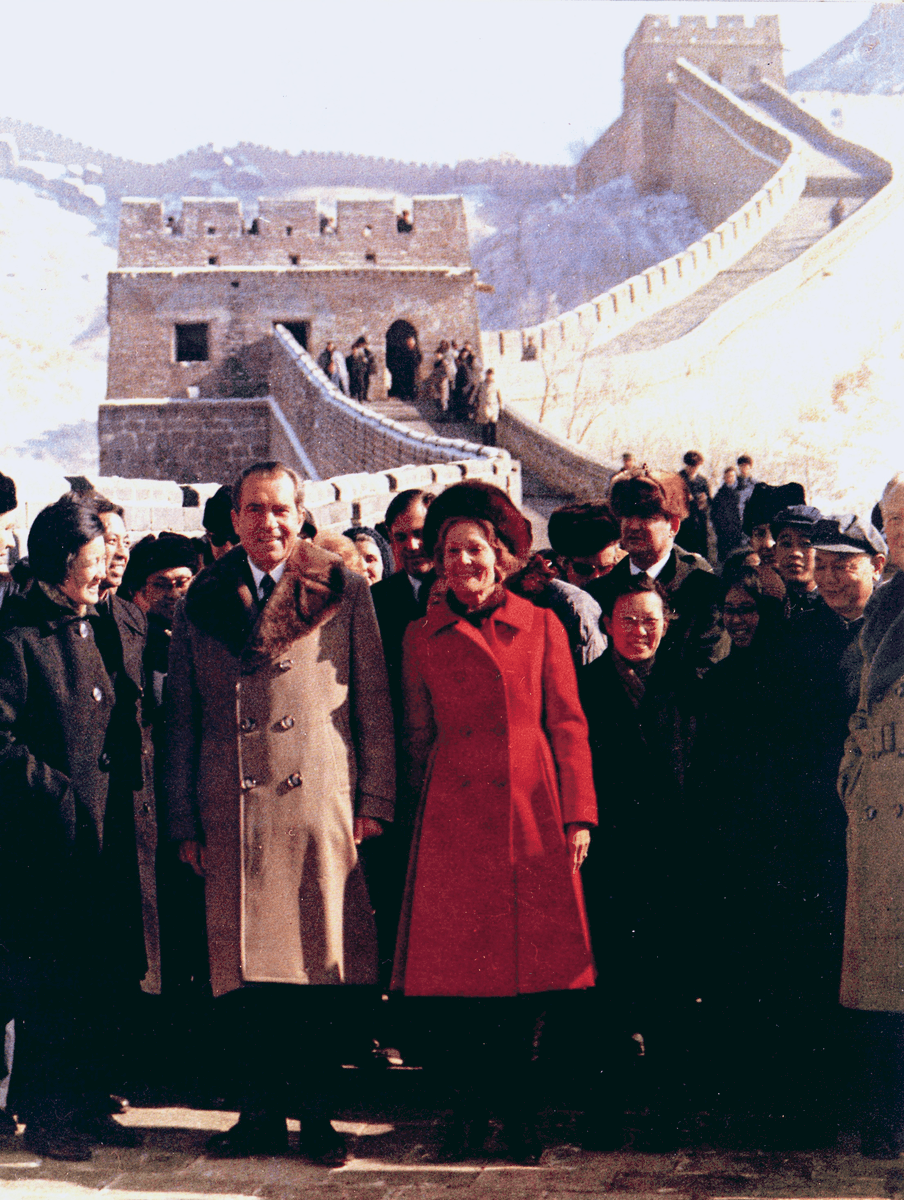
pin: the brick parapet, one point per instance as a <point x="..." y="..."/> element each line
<point x="286" y="233"/>
<point x="343" y="436"/>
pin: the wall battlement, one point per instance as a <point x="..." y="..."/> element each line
<point x="732" y="29"/>
<point x="287" y="233"/>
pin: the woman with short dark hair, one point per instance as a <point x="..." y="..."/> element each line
<point x="71" y="915"/>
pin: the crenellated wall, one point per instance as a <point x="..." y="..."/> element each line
<point x="156" y="506"/>
<point x="286" y="233"/>
<point x="305" y="422"/>
<point x="758" y="146"/>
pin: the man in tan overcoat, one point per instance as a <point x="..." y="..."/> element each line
<point x="280" y="762"/>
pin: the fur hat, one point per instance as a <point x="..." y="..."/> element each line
<point x="644" y="493"/>
<point x="475" y="500"/>
<point x="161" y="553"/>
<point x="583" y="528"/>
<point x="766" y="500"/>
<point x="8" y="499"/>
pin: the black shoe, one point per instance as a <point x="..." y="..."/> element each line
<point x="257" y="1134"/>
<point x="8" y="1126"/>
<point x="465" y="1138"/>
<point x="60" y="1140"/>
<point x="524" y="1146"/>
<point x="319" y="1142"/>
<point x="104" y="1131"/>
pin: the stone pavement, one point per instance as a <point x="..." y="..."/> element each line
<point x="394" y="1159"/>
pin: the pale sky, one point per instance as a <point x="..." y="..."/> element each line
<point x="425" y="81"/>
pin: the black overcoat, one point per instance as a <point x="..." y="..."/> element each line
<point x="57" y="757"/>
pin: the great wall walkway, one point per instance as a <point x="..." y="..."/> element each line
<point x="830" y="174"/>
<point x="539" y="499"/>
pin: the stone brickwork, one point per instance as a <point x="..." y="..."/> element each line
<point x="193" y="314"/>
<point x="287" y="233"/>
<point x="710" y="118"/>
<point x="306" y="423"/>
<point x="184" y="440"/>
<point x="239" y="307"/>
<point x="641" y="142"/>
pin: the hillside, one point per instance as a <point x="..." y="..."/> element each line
<point x="869" y="61"/>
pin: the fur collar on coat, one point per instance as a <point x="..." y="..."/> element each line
<point x="221" y="604"/>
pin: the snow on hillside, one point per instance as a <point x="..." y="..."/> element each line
<point x="53" y="333"/>
<point x="870" y="60"/>
<point x="546" y="258"/>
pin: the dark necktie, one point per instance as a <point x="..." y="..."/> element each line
<point x="267" y="585"/>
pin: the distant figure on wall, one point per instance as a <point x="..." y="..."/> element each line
<point x="360" y="365"/>
<point x="404" y="224"/>
<point x="403" y="362"/>
<point x="529" y="353"/>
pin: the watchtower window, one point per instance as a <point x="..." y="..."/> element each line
<point x="211" y="228"/>
<point x="288" y="231"/>
<point x="370" y="256"/>
<point x="300" y="330"/>
<point x="213" y="261"/>
<point x="293" y="259"/>
<point x="191" y="343"/>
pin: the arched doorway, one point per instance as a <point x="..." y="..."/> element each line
<point x="403" y="359"/>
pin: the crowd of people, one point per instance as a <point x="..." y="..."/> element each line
<point x="455" y="387"/>
<point x="613" y="829"/>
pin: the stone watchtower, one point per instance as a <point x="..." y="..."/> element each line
<point x="194" y="300"/>
<point x="639" y="143"/>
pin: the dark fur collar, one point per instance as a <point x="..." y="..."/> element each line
<point x="221" y="604"/>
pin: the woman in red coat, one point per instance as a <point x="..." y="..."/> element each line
<point x="498" y="749"/>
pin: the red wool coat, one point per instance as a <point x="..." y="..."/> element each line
<point x="498" y="746"/>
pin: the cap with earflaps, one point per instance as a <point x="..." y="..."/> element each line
<point x="648" y="494"/>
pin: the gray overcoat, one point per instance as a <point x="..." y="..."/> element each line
<point x="871" y="784"/>
<point x="279" y="733"/>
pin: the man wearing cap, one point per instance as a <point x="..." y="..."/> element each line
<point x="816" y="679"/>
<point x="8" y="545"/>
<point x="650" y="507"/>
<point x="794" y="558"/>
<point x="281" y="760"/>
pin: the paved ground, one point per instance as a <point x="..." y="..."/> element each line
<point x="393" y="1159"/>
<point x="539" y="501"/>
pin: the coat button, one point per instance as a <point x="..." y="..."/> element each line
<point x="104" y="762"/>
<point x="248" y="783"/>
<point x="500" y="783"/>
<point x="83" y="629"/>
<point x="97" y="694"/>
<point x="287" y="723"/>
<point x="294" y="780"/>
<point x="146" y="808"/>
<point x="466" y="733"/>
<point x="899" y="810"/>
<point x="247" y="724"/>
<point x="871" y="813"/>
<point x="285" y="665"/>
